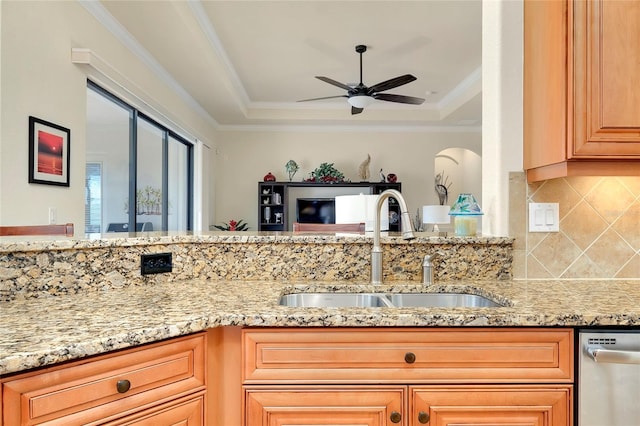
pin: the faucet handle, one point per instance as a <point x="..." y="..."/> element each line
<point x="427" y="267"/>
<point x="428" y="258"/>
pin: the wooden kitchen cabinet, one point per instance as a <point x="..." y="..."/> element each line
<point x="504" y="376"/>
<point x="186" y="412"/>
<point x="490" y="405"/>
<point x="373" y="406"/>
<point x="124" y="387"/>
<point x="581" y="97"/>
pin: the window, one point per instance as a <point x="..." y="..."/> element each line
<point x="93" y="198"/>
<point x="139" y="173"/>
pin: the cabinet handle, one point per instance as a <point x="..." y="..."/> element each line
<point x="423" y="417"/>
<point x="123" y="385"/>
<point x="409" y="357"/>
<point x="395" y="417"/>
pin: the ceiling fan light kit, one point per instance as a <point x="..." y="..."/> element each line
<point x="360" y="101"/>
<point x="361" y="96"/>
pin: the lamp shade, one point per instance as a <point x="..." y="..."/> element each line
<point x="466" y="205"/>
<point x="360" y="101"/>
<point x="361" y="209"/>
<point x="435" y="214"/>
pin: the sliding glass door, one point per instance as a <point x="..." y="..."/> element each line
<point x="146" y="173"/>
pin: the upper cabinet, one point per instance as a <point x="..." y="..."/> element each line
<point x="581" y="91"/>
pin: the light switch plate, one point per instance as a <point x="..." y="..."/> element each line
<point x="53" y="215"/>
<point x="544" y="217"/>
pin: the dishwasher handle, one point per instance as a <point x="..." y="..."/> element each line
<point x="602" y="356"/>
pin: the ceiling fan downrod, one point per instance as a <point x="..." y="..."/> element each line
<point x="361" y="48"/>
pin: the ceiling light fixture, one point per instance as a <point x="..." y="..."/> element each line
<point x="360" y="101"/>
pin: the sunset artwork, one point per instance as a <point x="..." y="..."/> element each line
<point x="50" y="153"/>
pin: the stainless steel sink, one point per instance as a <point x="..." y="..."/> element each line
<point x="441" y="300"/>
<point x="381" y="300"/>
<point x="335" y="300"/>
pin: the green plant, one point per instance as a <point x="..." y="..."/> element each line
<point x="233" y="226"/>
<point x="326" y="172"/>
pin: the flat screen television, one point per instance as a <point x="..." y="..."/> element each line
<point x="316" y="210"/>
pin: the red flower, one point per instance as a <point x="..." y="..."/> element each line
<point x="232" y="225"/>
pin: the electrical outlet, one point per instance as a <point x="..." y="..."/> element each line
<point x="155" y="263"/>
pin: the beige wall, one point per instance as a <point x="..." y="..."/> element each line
<point x="599" y="228"/>
<point x="39" y="79"/>
<point x="243" y="158"/>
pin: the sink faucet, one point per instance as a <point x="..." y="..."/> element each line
<point x="427" y="268"/>
<point x="405" y="223"/>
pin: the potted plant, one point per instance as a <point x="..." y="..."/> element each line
<point x="233" y="226"/>
<point x="326" y="173"/>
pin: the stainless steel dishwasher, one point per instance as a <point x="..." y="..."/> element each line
<point x="609" y="378"/>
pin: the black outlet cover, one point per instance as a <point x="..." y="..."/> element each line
<point x="155" y="263"/>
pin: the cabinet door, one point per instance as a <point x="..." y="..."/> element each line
<point x="329" y="406"/>
<point x="581" y="97"/>
<point x="186" y="412"/>
<point x="491" y="405"/>
<point x="606" y="70"/>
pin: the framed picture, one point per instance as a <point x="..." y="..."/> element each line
<point x="48" y="153"/>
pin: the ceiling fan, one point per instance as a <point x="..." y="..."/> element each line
<point x="360" y="96"/>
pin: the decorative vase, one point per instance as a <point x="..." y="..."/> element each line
<point x="269" y="177"/>
<point x="291" y="167"/>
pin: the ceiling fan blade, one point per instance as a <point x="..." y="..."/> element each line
<point x="325" y="97"/>
<point x="355" y="110"/>
<point x="390" y="84"/>
<point x="398" y="98"/>
<point x="335" y="83"/>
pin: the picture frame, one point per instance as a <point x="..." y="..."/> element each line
<point x="49" y="152"/>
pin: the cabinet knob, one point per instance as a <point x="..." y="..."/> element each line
<point x="123" y="385"/>
<point x="410" y="357"/>
<point x="423" y="417"/>
<point x="395" y="417"/>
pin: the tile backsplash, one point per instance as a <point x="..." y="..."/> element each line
<point x="599" y="233"/>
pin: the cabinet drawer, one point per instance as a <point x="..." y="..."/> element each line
<point x="106" y="386"/>
<point x="407" y="355"/>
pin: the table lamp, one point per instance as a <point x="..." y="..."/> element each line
<point x="466" y="212"/>
<point x="435" y="215"/>
<point x="361" y="209"/>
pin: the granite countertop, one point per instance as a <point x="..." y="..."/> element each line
<point x="118" y="239"/>
<point x="48" y="330"/>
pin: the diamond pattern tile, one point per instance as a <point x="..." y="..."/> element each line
<point x="631" y="269"/>
<point x="610" y="253"/>
<point x="556" y="252"/>
<point x="632" y="183"/>
<point x="583" y="268"/>
<point x="557" y="191"/>
<point x="583" y="225"/>
<point x="610" y="198"/>
<point x="583" y="184"/>
<point x="535" y="269"/>
<point x="599" y="229"/>
<point x="628" y="226"/>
